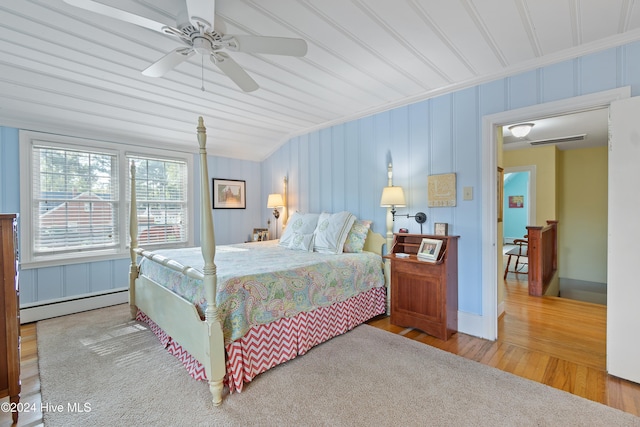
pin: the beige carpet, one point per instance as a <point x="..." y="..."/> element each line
<point x="118" y="374"/>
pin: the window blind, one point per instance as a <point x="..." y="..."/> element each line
<point x="75" y="200"/>
<point x="161" y="195"/>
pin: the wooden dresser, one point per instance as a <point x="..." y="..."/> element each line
<point x="424" y="295"/>
<point x="10" y="314"/>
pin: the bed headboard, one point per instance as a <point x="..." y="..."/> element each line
<point x="374" y="243"/>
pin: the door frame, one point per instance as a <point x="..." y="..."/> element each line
<point x="490" y="124"/>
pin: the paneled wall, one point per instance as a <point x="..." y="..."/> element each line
<point x="9" y="171"/>
<point x="344" y="167"/>
<point x="232" y="225"/>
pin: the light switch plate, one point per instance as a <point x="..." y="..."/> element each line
<point x="467" y="193"/>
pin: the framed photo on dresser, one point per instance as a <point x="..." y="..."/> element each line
<point x="429" y="250"/>
<point x="440" y="228"/>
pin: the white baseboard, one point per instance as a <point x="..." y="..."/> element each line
<point x="70" y="306"/>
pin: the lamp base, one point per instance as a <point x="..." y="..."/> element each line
<point x="276" y="214"/>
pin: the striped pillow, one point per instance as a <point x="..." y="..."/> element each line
<point x="332" y="231"/>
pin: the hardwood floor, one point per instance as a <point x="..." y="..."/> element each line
<point x="554" y="341"/>
<point x="30" y="396"/>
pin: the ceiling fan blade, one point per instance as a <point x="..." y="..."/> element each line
<point x="112" y="12"/>
<point x="168" y="62"/>
<point x="234" y="71"/>
<point x="203" y="11"/>
<point x="269" y="45"/>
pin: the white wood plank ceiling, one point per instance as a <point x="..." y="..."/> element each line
<point x="63" y="68"/>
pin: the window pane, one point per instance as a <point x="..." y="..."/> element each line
<point x="75" y="200"/>
<point x="161" y="194"/>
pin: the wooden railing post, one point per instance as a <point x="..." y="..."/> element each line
<point x="534" y="235"/>
<point x="554" y="238"/>
<point x="543" y="256"/>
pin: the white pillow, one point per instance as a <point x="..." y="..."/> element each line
<point x="302" y="242"/>
<point x="332" y="231"/>
<point x="299" y="223"/>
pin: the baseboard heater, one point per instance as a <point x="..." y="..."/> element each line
<point x="55" y="308"/>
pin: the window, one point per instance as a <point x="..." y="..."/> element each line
<point x="75" y="200"/>
<point x="161" y="189"/>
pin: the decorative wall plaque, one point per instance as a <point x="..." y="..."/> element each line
<point x="441" y="190"/>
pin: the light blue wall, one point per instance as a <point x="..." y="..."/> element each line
<point x="10" y="171"/>
<point x="344" y="167"/>
<point x="232" y="225"/>
<point x="74" y="280"/>
<point x="515" y="219"/>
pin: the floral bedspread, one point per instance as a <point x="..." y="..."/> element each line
<point x="261" y="282"/>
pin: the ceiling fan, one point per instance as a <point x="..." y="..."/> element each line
<point x="196" y="30"/>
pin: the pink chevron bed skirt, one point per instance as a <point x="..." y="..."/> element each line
<point x="268" y="345"/>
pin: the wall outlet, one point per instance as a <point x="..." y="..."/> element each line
<point x="467" y="193"/>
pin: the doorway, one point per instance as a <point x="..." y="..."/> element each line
<point x="492" y="246"/>
<point x="622" y="314"/>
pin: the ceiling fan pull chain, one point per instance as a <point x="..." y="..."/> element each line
<point x="202" y="71"/>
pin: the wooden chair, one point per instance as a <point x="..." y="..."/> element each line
<point x="521" y="253"/>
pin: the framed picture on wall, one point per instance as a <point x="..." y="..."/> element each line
<point x="516" y="202"/>
<point x="441" y="190"/>
<point x="229" y="194"/>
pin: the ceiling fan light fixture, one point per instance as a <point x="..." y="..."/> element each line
<point x="202" y="45"/>
<point x="195" y="28"/>
<point x="521" y="130"/>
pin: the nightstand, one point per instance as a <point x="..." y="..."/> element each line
<point x="424" y="295"/>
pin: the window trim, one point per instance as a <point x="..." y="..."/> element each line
<point x="29" y="138"/>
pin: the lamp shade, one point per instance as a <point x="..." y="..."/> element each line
<point x="275" y="201"/>
<point x="392" y="196"/>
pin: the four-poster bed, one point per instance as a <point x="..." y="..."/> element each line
<point x="231" y="326"/>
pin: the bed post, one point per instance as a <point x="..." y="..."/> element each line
<point x="133" y="233"/>
<point x="216" y="369"/>
<point x="285" y="196"/>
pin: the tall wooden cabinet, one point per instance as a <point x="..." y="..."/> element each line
<point x="10" y="314"/>
<point x="424" y="295"/>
